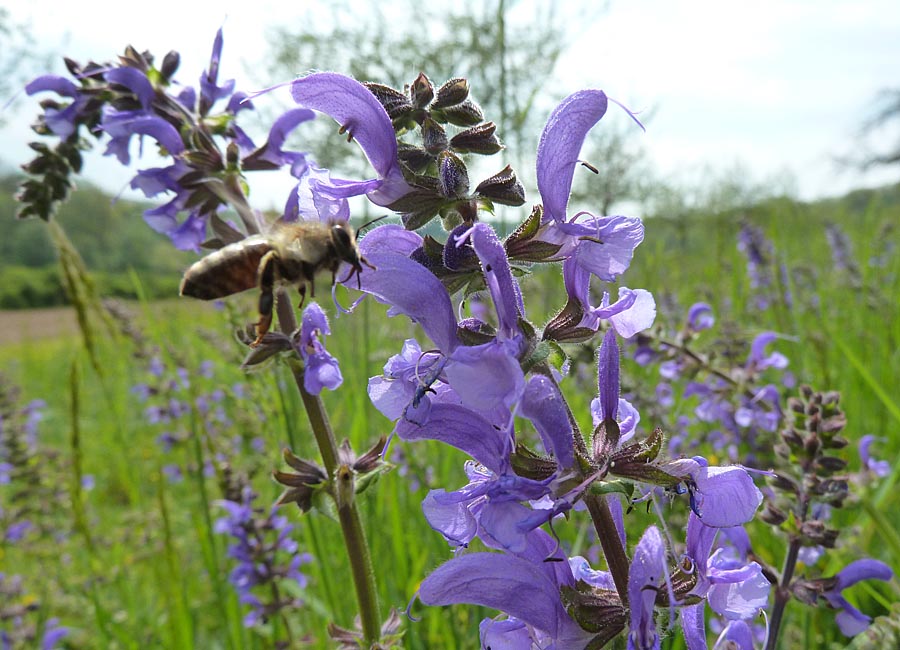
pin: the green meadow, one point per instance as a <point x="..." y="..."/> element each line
<point x="123" y="547"/>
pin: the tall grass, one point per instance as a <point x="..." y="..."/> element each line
<point x="137" y="563"/>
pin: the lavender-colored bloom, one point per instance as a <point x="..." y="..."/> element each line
<point x="700" y="317"/>
<point x="589" y="245"/>
<point x="273" y="153"/>
<point x="322" y="370"/>
<point x="501" y="581"/>
<point x="121" y="125"/>
<point x="53" y="634"/>
<point x="359" y="113"/>
<point x="210" y="92"/>
<point x="734" y="588"/>
<point x="60" y="121"/>
<point x="879" y="468"/>
<point x="608" y="375"/>
<point x="486" y="377"/>
<point x="405" y="374"/>
<point x="645" y="580"/>
<point x="737" y="635"/>
<point x="545" y="407"/>
<point x="260" y="544"/>
<point x="720" y="496"/>
<point x="758" y="361"/>
<point x="489" y="504"/>
<point x="850" y="620"/>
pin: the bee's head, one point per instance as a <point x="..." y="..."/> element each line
<point x="344" y="240"/>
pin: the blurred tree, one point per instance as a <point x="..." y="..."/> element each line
<point x="886" y="115"/>
<point x="624" y="174"/>
<point x="506" y="49"/>
<point x="18" y="57"/>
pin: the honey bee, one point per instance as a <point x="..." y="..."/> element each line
<point x="289" y="254"/>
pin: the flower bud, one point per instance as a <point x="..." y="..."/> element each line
<point x="421" y="92"/>
<point x="773" y="515"/>
<point x="395" y="103"/>
<point x="480" y="139"/>
<point x="453" y="176"/>
<point x="466" y="114"/>
<point x="503" y="187"/>
<point x="434" y="138"/>
<point x="170" y="65"/>
<point x="453" y="92"/>
<point x="459" y="258"/>
<point x="416" y="158"/>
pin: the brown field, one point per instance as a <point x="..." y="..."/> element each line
<point x="22" y="325"/>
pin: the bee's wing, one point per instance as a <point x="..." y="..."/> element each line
<point x="227" y="271"/>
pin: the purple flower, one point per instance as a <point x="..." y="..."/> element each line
<point x="273" y="154"/>
<point x="487" y="377"/>
<point x="758" y="361"/>
<point x="720" y="496"/>
<point x="850" y="620"/>
<point x="322" y="370"/>
<point x="61" y="121"/>
<point x="700" y="317"/>
<point x="645" y="580"/>
<point x="878" y="467"/>
<point x="545" y="407"/>
<point x="733" y="587"/>
<point x="363" y="117"/>
<point x="210" y="92"/>
<point x="589" y="245"/>
<point x="490" y="504"/>
<point x="500" y="581"/>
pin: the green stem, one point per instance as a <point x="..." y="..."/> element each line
<point x="348" y="513"/>
<point x="608" y="535"/>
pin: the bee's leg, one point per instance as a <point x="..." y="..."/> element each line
<point x="266" y="275"/>
<point x="301" y="289"/>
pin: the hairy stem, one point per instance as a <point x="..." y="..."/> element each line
<point x="610" y="542"/>
<point x="348" y="512"/>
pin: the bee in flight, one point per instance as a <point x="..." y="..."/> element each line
<point x="289" y="254"/>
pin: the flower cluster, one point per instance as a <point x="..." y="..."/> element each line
<point x="21" y="624"/>
<point x="228" y="416"/>
<point x="208" y="150"/>
<point x="493" y="384"/>
<point x="267" y="559"/>
<point x="731" y="387"/>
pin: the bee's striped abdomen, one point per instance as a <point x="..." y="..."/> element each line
<point x="227" y="271"/>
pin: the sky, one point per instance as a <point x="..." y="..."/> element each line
<point x="777" y="89"/>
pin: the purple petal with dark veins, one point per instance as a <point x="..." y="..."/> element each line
<point x="411" y="289"/>
<point x="464" y="429"/>
<point x="498" y="581"/>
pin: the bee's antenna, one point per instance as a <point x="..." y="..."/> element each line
<point x="360" y="230"/>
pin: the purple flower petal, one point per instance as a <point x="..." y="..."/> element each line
<point x="358" y="112"/>
<point x="560" y="145"/>
<point x="644" y="582"/>
<point x="498" y="581"/>
<point x="504" y="290"/>
<point x="451" y="519"/>
<point x="464" y="429"/>
<point x="608" y="376"/>
<point x="411" y="289"/>
<point x="544" y="406"/>
<point x="136" y="81"/>
<point x="487" y="377"/>
<point x="726" y="496"/>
